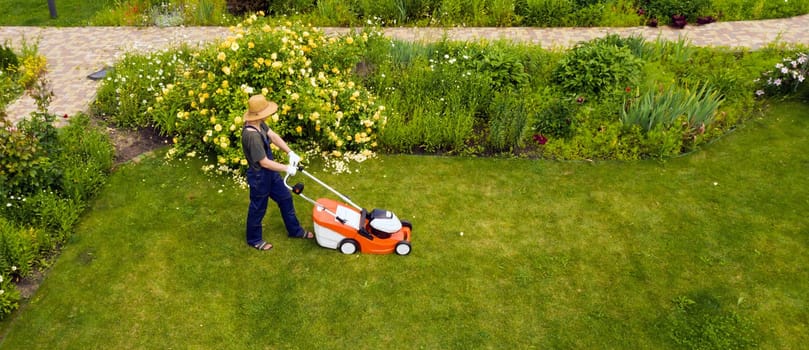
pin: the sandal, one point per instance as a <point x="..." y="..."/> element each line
<point x="308" y="235"/>
<point x="262" y="246"/>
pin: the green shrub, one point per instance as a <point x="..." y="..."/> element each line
<point x="8" y="59"/>
<point x="240" y="7"/>
<point x="86" y="157"/>
<point x="554" y="115"/>
<point x="596" y="67"/>
<point x="510" y="120"/>
<point x="45" y="210"/>
<point x="17" y="250"/>
<point x="664" y="9"/>
<point x="24" y="164"/>
<point x="544" y="13"/>
<point x="9" y="296"/>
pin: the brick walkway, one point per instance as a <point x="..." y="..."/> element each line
<point x="75" y="52"/>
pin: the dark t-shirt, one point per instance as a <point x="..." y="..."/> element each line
<point x="254" y="145"/>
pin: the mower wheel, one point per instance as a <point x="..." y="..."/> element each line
<point x="403" y="248"/>
<point x="407" y="224"/>
<point x="348" y="247"/>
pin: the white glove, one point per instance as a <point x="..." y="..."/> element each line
<point x="292" y="169"/>
<point x="293" y="158"/>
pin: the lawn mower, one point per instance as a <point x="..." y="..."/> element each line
<point x="350" y="228"/>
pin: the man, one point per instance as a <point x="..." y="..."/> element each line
<point x="263" y="177"/>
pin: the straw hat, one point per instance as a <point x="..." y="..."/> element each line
<point x="259" y="108"/>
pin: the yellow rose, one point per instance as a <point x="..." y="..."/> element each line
<point x="221" y="56"/>
<point x="299" y="130"/>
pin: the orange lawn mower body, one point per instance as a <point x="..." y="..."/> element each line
<point x="349" y="228"/>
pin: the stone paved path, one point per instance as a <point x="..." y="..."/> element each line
<point x="75" y="52"/>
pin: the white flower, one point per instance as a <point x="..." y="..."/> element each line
<point x="759" y="92"/>
<point x="784" y="70"/>
<point x="777" y="82"/>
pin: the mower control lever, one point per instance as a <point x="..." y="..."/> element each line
<point x="298" y="188"/>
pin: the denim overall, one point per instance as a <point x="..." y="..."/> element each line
<point x="265" y="184"/>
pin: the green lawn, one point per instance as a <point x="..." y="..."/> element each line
<point x="553" y="255"/>
<point x="36" y="12"/>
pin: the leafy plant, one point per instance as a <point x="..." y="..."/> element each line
<point x="595" y="67"/>
<point x="240" y="7"/>
<point x="9" y="296"/>
<point x="510" y="121"/>
<point x="17" y="250"/>
<point x="24" y="164"/>
<point x="85" y="157"/>
<point x="663" y="10"/>
<point x="8" y="59"/>
<point x="693" y="110"/>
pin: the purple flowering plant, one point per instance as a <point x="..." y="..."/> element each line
<point x="786" y="77"/>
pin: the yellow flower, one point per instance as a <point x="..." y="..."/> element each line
<point x="237" y="120"/>
<point x="243" y="162"/>
<point x="218" y="128"/>
<point x="314" y="116"/>
<point x="221" y="160"/>
<point x="234" y="46"/>
<point x="349" y="40"/>
<point x="274" y="56"/>
<point x="226" y="70"/>
<point x="277" y="64"/>
<point x="336" y="153"/>
<point x="190" y="93"/>
<point x="250" y="45"/>
<point x="260" y="60"/>
<point x="299" y="129"/>
<point x="221" y="56"/>
<point x="203" y="86"/>
<point x="225" y="84"/>
<point x="294" y="96"/>
<point x="212" y="120"/>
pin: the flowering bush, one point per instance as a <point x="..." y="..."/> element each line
<point x="787" y="76"/>
<point x="290" y="63"/>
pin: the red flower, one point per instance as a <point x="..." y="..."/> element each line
<point x="628" y="89"/>
<point x="65" y="116"/>
<point x="580" y="100"/>
<point x="540" y="139"/>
